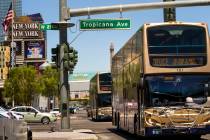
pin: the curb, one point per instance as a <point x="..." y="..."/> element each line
<point x="80" y="134"/>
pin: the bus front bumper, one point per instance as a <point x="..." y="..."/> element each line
<point x="155" y="131"/>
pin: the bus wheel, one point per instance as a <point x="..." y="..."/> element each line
<point x="118" y="121"/>
<point x="135" y="124"/>
<point x="115" y="118"/>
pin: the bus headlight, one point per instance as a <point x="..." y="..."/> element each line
<point x="150" y="121"/>
<point x="100" y="113"/>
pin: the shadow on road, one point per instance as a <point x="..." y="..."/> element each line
<point x="129" y="136"/>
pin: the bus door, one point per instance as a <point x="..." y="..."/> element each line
<point x="141" y="111"/>
<point x="125" y="100"/>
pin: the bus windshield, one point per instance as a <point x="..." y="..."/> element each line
<point x="105" y="81"/>
<point x="104" y="100"/>
<point x="177" y="46"/>
<point x="170" y="90"/>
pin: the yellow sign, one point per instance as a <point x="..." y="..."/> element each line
<point x="174" y="61"/>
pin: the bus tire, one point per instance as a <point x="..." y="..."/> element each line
<point x="135" y="124"/>
<point x="115" y="118"/>
<point x="118" y="121"/>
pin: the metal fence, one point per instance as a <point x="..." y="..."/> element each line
<point x="13" y="129"/>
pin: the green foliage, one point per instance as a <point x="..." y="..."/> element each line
<point x="49" y="82"/>
<point x="22" y="84"/>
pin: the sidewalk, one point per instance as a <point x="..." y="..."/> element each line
<point x="81" y="134"/>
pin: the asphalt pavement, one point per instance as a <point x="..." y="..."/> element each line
<point x="80" y="125"/>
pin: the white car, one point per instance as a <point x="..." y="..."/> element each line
<point x="56" y="112"/>
<point x="33" y="115"/>
<point x="5" y="114"/>
<point x="10" y="115"/>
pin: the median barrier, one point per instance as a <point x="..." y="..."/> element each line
<point x="13" y="129"/>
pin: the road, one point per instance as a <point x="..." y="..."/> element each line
<point x="104" y="130"/>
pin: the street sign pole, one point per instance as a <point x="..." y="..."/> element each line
<point x="64" y="87"/>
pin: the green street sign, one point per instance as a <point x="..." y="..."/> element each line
<point x="104" y="24"/>
<point x="44" y="27"/>
<point x="55" y="26"/>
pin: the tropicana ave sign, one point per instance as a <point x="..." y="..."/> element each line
<point x="104" y="24"/>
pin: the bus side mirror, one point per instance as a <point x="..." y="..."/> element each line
<point x="207" y="89"/>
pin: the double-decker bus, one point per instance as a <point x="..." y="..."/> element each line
<point x="161" y="80"/>
<point x="100" y="96"/>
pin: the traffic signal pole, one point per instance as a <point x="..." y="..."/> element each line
<point x="64" y="87"/>
<point x="133" y="7"/>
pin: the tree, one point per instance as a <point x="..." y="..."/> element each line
<point x="49" y="83"/>
<point x="22" y="84"/>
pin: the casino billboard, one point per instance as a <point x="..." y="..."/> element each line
<point x="34" y="49"/>
<point x="28" y="30"/>
<point x="31" y="42"/>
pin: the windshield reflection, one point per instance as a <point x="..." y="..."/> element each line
<point x="104" y="100"/>
<point x="173" y="90"/>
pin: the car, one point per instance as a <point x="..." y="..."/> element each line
<point x="72" y="110"/>
<point x="5" y="115"/>
<point x="11" y="115"/>
<point x="56" y="112"/>
<point x="33" y="115"/>
<point x="2" y="116"/>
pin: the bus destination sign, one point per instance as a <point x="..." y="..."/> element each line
<point x="105" y="88"/>
<point x="174" y="61"/>
<point x="105" y="24"/>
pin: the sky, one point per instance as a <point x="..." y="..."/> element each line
<point x="93" y="46"/>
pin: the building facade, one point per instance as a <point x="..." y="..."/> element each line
<point x="4" y="6"/>
<point x="4" y="61"/>
<point x="79" y="86"/>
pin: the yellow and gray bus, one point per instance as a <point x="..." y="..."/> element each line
<point x="100" y="96"/>
<point x="161" y="80"/>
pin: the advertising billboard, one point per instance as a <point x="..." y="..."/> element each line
<point x="24" y="30"/>
<point x="34" y="49"/>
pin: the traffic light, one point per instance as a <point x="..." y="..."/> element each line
<point x="169" y="13"/>
<point x="55" y="55"/>
<point x="75" y="60"/>
<point x="70" y="57"/>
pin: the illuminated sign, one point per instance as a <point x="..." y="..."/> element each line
<point x="34" y="49"/>
<point x="105" y="88"/>
<point x="27" y="30"/>
<point x="175" y="61"/>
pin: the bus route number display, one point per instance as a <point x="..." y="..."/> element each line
<point x="190" y="61"/>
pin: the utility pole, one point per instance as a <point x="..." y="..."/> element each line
<point x="111" y="55"/>
<point x="64" y="87"/>
<point x="169" y="13"/>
